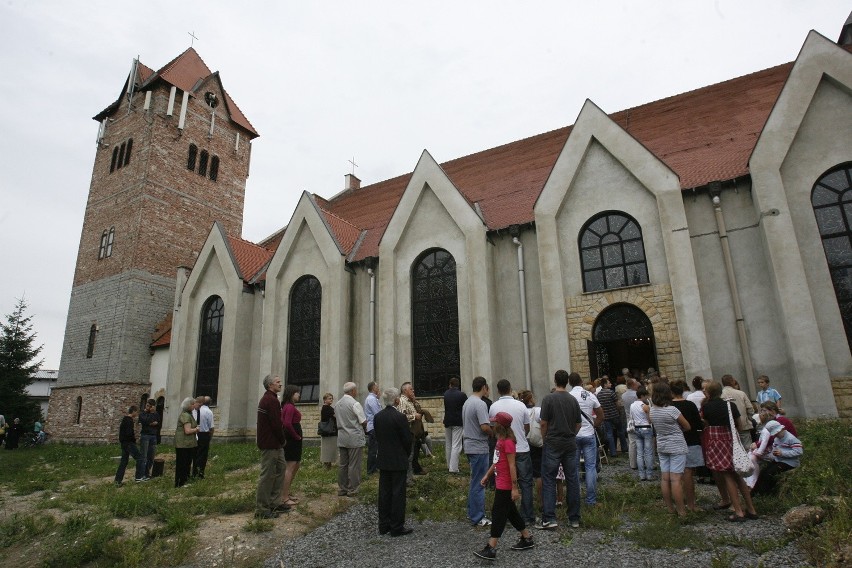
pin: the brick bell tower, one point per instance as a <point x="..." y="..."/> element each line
<point x="172" y="158"/>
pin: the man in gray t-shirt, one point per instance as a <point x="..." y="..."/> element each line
<point x="477" y="428"/>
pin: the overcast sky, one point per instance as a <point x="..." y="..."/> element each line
<point x="323" y="82"/>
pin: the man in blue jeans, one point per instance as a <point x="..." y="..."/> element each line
<point x="591" y="415"/>
<point x="149" y="420"/>
<point x="477" y="430"/>
<point x="560" y="421"/>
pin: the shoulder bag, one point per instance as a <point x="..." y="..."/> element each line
<point x="743" y="465"/>
<point x="327" y="428"/>
<point x="534" y="435"/>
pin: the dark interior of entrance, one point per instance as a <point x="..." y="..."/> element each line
<point x="621" y="337"/>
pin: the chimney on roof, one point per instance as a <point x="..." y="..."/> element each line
<point x="846" y="33"/>
<point x="352" y="182"/>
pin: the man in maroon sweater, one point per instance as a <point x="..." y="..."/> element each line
<point x="270" y="440"/>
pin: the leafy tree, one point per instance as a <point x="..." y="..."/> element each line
<point x="17" y="365"/>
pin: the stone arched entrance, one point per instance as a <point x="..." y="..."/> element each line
<point x="622" y="336"/>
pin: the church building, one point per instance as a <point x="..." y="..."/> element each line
<point x="702" y="234"/>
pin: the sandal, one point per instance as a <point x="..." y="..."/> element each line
<point x="752" y="516"/>
<point x="721" y="507"/>
<point x="291" y="502"/>
<point x="736" y="519"/>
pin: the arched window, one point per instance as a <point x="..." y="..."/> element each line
<point x="202" y="163"/>
<point x="114" y="159"/>
<point x="832" y="202"/>
<point x="303" y="338"/>
<point x="143" y="400"/>
<point x="434" y="322"/>
<point x="612" y="254"/>
<point x="214" y="168"/>
<point x="79" y="410"/>
<point x="127" y="153"/>
<point x="209" y="347"/>
<point x="110" y="241"/>
<point x="102" y="248"/>
<point x="121" y="150"/>
<point x="190" y="160"/>
<point x="93" y="334"/>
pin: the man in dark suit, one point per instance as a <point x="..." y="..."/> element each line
<point x="393" y="437"/>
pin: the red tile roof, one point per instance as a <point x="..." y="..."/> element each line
<point x="162" y="337"/>
<point x="703" y="135"/>
<point x="250" y="258"/>
<point x="345" y="233"/>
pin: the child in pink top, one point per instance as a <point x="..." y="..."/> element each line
<point x="506" y="482"/>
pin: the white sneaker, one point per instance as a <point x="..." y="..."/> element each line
<point x="483" y="522"/>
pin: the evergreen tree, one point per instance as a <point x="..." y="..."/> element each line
<point x="17" y="365"/>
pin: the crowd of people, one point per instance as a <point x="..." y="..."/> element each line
<point x="531" y="455"/>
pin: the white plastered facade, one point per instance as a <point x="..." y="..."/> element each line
<point x="790" y="316"/>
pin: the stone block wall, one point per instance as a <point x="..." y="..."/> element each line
<point x="654" y="300"/>
<point x="842" y="387"/>
<point x="101" y="409"/>
<point x="126" y="308"/>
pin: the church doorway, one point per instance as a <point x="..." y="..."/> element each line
<point x="621" y="337"/>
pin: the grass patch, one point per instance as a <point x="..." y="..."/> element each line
<point x="18" y="529"/>
<point x="662" y="530"/>
<point x="83" y="540"/>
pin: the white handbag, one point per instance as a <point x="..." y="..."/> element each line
<point x="742" y="463"/>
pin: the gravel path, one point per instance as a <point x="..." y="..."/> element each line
<point x="351" y="540"/>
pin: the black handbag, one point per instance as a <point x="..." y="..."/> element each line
<point x="327" y="428"/>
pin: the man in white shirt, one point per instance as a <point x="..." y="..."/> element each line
<point x="523" y="461"/>
<point x="204" y="417"/>
<point x="587" y="445"/>
<point x="628" y="398"/>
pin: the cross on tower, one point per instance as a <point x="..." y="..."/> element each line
<point x="192" y="41"/>
<point x="354" y="165"/>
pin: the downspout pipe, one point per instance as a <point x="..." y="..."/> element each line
<point x="372" y="323"/>
<point x="525" y="334"/>
<point x="735" y="297"/>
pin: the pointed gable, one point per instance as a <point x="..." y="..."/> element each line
<point x="187" y="72"/>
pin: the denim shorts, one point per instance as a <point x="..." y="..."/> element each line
<point x="695" y="457"/>
<point x="672" y="463"/>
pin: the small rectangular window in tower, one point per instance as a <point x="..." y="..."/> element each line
<point x="214" y="168"/>
<point x="102" y="248"/>
<point x="190" y="160"/>
<point x="127" y="153"/>
<point x="120" y="161"/>
<point x="202" y="163"/>
<point x="114" y="159"/>
<point x="110" y="240"/>
<point x="93" y="333"/>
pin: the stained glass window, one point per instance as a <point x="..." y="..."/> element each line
<point x="434" y="322"/>
<point x="210" y="348"/>
<point x="832" y="202"/>
<point x="612" y="254"/>
<point x="303" y="342"/>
